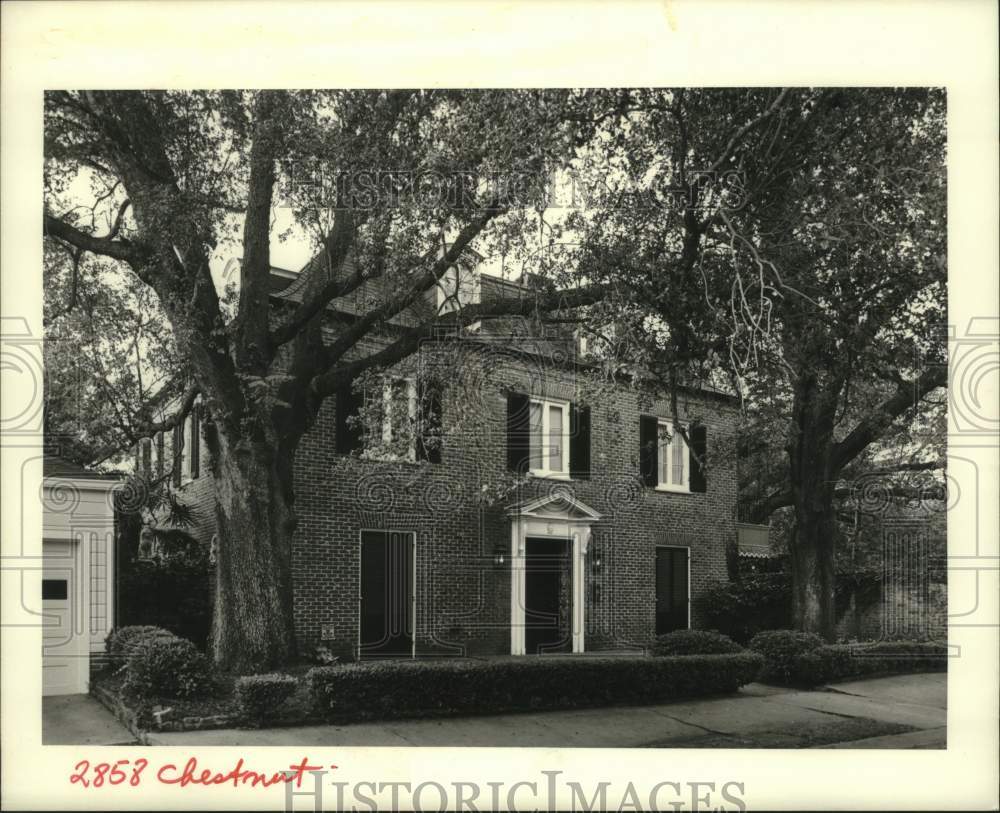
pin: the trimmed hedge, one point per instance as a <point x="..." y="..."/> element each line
<point x="167" y="667"/>
<point x="781" y="649"/>
<point x="121" y="642"/>
<point x="258" y="697"/>
<point x="839" y="661"/>
<point x="396" y="689"/>
<point x="694" y="642"/>
<point x="802" y="659"/>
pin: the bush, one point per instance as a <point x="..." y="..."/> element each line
<point x="694" y="642"/>
<point x="839" y="661"/>
<point x="258" y="697"/>
<point x="176" y="594"/>
<point x="780" y="649"/>
<point x="396" y="689"/>
<point x="167" y="667"/>
<point x="741" y="609"/>
<point x="121" y="642"/>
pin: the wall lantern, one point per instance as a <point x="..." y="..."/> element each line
<point x="499" y="556"/>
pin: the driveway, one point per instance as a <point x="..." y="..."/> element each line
<point x="903" y="711"/>
<point x="78" y="719"/>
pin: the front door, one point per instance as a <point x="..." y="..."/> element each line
<point x="671" y="589"/>
<point x="386" y="594"/>
<point x="546" y="596"/>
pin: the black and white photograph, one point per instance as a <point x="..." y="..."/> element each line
<point x="520" y="416"/>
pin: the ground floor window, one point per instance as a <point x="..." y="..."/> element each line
<point x="673" y="597"/>
<point x="387" y="594"/>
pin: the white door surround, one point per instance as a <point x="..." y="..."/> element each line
<point x="558" y="516"/>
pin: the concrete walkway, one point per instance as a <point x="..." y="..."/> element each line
<point x="78" y="719"/>
<point x="903" y="711"/>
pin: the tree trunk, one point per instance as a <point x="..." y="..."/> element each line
<point x="813" y="542"/>
<point x="252" y="628"/>
<point x="812" y="560"/>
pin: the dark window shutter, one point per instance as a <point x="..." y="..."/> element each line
<point x="159" y="454"/>
<point x="429" y="401"/>
<point x="699" y="444"/>
<point x="349" y="403"/>
<point x="518" y="431"/>
<point x="579" y="442"/>
<point x="195" y="442"/>
<point x="649" y="441"/>
<point x="176" y="450"/>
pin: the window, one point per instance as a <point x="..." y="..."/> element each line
<point x="547" y="438"/>
<point x="399" y="412"/>
<point x="54" y="590"/>
<point x="673" y="594"/>
<point x="665" y="461"/>
<point x="396" y="420"/>
<point x="672" y="458"/>
<point x="549" y="434"/>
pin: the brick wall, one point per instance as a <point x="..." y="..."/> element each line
<point x="463" y="599"/>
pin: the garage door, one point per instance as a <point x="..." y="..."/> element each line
<point x="64" y="640"/>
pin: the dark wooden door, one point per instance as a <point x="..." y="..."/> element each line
<point x="671" y="589"/>
<point x="386" y="594"/>
<point x="546" y="593"/>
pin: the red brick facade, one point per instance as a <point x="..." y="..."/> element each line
<point x="456" y="508"/>
<point x="462" y="595"/>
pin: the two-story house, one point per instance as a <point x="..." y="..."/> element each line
<point x="493" y="497"/>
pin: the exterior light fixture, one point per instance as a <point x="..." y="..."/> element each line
<point x="498" y="556"/>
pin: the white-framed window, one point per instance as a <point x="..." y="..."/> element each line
<point x="398" y="419"/>
<point x="548" y="442"/>
<point x="186" y="452"/>
<point x="673" y="460"/>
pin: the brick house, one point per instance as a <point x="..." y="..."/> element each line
<point x="498" y="502"/>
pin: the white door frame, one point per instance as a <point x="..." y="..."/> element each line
<point x="554" y="517"/>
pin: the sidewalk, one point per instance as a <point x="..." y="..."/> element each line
<point x="78" y="719"/>
<point x="902" y="711"/>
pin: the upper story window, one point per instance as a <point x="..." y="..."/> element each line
<point x="192" y="445"/>
<point x="398" y="419"/>
<point x="549" y="437"/>
<point x="673" y="459"/>
<point x="666" y="463"/>
<point x="398" y="412"/>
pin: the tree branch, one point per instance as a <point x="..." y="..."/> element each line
<point x="252" y="323"/>
<point x="105" y="246"/>
<point x="393" y="306"/>
<point x="410" y="339"/>
<point x="905" y="399"/>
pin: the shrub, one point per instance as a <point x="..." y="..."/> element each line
<point x="780" y="649"/>
<point x="258" y="697"/>
<point x="839" y="661"/>
<point x="121" y="642"/>
<point x="167" y="667"/>
<point x="694" y="642"/>
<point x="408" y="688"/>
<point x="741" y="609"/>
<point x="825" y="663"/>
